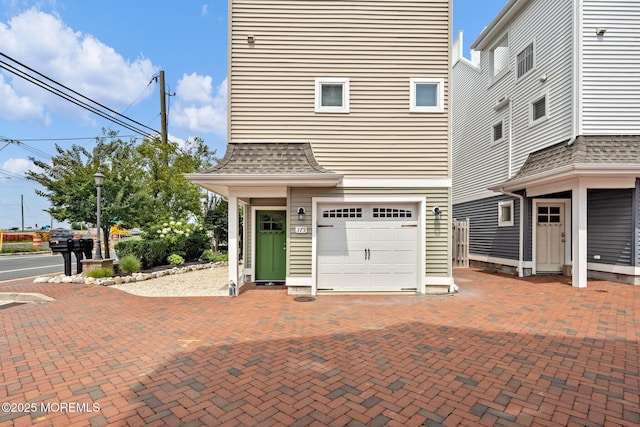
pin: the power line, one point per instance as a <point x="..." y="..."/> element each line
<point x="78" y="138"/>
<point x="67" y="97"/>
<point x="26" y="147"/>
<point x="11" y="174"/>
<point x="58" y="92"/>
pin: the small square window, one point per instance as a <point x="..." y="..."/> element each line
<point x="426" y="95"/>
<point x="497" y="132"/>
<point x="539" y="109"/>
<point x="332" y="95"/>
<point x="505" y="214"/>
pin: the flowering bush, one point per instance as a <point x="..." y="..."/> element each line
<point x="186" y="239"/>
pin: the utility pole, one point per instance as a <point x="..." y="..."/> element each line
<point x="22" y="210"/>
<point x="163" y="119"/>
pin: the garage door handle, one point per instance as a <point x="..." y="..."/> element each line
<point x="368" y="253"/>
<point x="365" y="254"/>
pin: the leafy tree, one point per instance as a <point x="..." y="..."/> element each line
<point x="144" y="182"/>
<point x="171" y="193"/>
<point x="216" y="220"/>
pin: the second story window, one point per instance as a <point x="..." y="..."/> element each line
<point x="332" y="95"/>
<point x="497" y="133"/>
<point x="426" y="95"/>
<point x="500" y="58"/>
<point x="525" y="60"/>
<point x="539" y="109"/>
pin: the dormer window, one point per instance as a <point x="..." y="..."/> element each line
<point x="500" y="57"/>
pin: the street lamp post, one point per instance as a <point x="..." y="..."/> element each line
<point x="99" y="179"/>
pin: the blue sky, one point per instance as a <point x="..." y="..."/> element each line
<point x="109" y="50"/>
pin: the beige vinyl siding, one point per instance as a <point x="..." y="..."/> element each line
<point x="378" y="46"/>
<point x="611" y="87"/>
<point x="437" y="232"/>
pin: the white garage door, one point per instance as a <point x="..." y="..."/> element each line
<point x="372" y="247"/>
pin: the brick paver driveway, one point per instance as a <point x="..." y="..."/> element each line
<point x="503" y="351"/>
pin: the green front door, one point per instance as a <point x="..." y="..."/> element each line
<point x="270" y="245"/>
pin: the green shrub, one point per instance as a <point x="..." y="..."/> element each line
<point x="21" y="248"/>
<point x="209" y="255"/>
<point x="175" y="259"/>
<point x="150" y="252"/>
<point x="195" y="244"/>
<point x="100" y="273"/>
<point x="129" y="264"/>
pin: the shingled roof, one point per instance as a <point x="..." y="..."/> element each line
<point x="268" y="159"/>
<point x="597" y="149"/>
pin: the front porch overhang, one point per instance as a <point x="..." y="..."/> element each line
<point x="602" y="175"/>
<point x="224" y="185"/>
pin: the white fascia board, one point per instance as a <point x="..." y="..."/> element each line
<point x="572" y="171"/>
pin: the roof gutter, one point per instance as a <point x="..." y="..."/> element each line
<point x="521" y="231"/>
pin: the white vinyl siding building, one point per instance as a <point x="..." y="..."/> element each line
<point x="610" y="84"/>
<point x="564" y="103"/>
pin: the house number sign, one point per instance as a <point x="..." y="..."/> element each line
<point x="301" y="230"/>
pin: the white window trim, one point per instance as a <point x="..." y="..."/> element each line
<point x="496" y="141"/>
<point x="501" y="222"/>
<point x="533" y="66"/>
<point x="318" y="95"/>
<point x="438" y="108"/>
<point x="546" y="109"/>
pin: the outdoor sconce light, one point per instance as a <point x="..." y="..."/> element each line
<point x="251" y="39"/>
<point x="301" y="213"/>
<point x="600" y="31"/>
<point x="436" y="212"/>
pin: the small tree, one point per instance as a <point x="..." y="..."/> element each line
<point x="216" y="220"/>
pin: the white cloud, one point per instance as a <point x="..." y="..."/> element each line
<point x="77" y="60"/>
<point x="198" y="108"/>
<point x="195" y="88"/>
<point x="16" y="107"/>
<point x="18" y="166"/>
<point x="205" y="10"/>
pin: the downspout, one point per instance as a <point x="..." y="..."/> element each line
<point x="521" y="231"/>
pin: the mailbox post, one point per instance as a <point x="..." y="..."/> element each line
<point x="78" y="247"/>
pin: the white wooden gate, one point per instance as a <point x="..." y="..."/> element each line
<point x="460" y="243"/>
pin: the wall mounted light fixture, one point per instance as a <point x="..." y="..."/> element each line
<point x="251" y="39"/>
<point x="600" y="31"/>
<point x="301" y="213"/>
<point x="436" y="211"/>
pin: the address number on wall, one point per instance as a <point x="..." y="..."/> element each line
<point x="301" y="230"/>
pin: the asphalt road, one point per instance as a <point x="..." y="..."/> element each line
<point x="21" y="266"/>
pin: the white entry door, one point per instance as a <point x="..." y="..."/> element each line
<point x="550" y="238"/>
<point x="371" y="247"/>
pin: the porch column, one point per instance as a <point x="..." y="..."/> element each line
<point x="233" y="238"/>
<point x="579" y="234"/>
